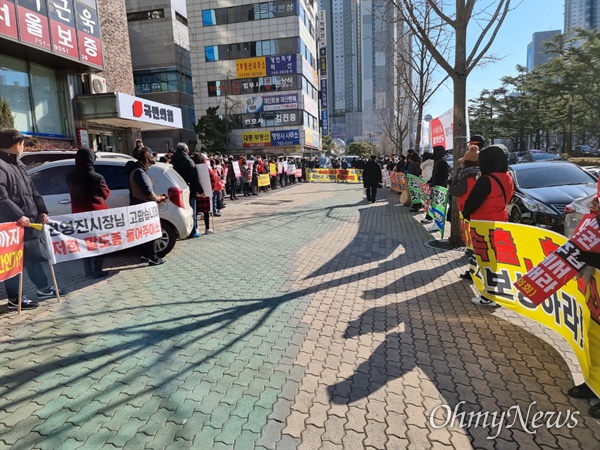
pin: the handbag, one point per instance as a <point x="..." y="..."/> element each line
<point x="405" y="198"/>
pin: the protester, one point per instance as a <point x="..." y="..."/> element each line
<point x="441" y="170"/>
<point x="166" y="158"/>
<point x="216" y="181"/>
<point x="20" y="202"/>
<point x="491" y="193"/>
<point x="89" y="192"/>
<point x="246" y="177"/>
<point x="372" y="178"/>
<point x="231" y="179"/>
<point x="184" y="166"/>
<point x="414" y="168"/>
<point x="204" y="202"/>
<point x="142" y="191"/>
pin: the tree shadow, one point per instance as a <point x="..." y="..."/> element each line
<point x="476" y="361"/>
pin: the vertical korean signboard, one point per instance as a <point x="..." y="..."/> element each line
<point x="62" y="28"/>
<point x="88" y="34"/>
<point x="8" y="19"/>
<point x="33" y="23"/>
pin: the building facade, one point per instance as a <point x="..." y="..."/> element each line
<point x="582" y="14"/>
<point x="364" y="86"/>
<point x="257" y="62"/>
<point x="160" y="56"/>
<point x="536" y="54"/>
<point x="65" y="69"/>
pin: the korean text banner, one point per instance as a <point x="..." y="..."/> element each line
<point x="397" y="181"/>
<point x="442" y="130"/>
<point x="334" y="175"/>
<point x="506" y="251"/>
<point x="252" y="139"/>
<point x="94" y="233"/>
<point x="416" y="189"/>
<point x="11" y="250"/>
<point x="562" y="265"/>
<point x="273" y="169"/>
<point x="264" y="180"/>
<point x="438" y="206"/>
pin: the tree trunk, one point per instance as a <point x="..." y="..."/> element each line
<point x="460" y="147"/>
<point x="419" y="128"/>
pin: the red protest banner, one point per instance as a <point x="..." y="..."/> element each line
<point x="11" y="250"/>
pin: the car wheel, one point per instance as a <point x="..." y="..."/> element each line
<point x="167" y="241"/>
<point x="515" y="214"/>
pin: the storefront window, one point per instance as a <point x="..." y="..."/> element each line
<point x="33" y="95"/>
<point x="14" y="87"/>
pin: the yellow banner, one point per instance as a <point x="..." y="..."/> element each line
<point x="251" y="139"/>
<point x="251" y="67"/>
<point x="273" y="169"/>
<point x="264" y="180"/>
<point x="334" y="175"/>
<point x="505" y="252"/>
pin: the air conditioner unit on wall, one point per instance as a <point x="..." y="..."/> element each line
<point x="96" y="84"/>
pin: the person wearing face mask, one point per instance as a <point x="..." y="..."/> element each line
<point x="20" y="202"/>
<point x="141" y="191"/>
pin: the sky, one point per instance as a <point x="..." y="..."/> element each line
<point x="529" y="17"/>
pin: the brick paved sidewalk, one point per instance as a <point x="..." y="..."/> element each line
<point x="311" y="319"/>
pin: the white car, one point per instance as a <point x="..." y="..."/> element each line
<point x="31" y="159"/>
<point x="176" y="214"/>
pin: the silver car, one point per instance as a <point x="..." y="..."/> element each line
<point x="175" y="213"/>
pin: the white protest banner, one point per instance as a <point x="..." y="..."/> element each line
<point x="236" y="169"/>
<point x="94" y="233"/>
<point x="285" y="166"/>
<point x="204" y="177"/>
<point x="291" y="168"/>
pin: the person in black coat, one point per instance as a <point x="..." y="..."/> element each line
<point x="184" y="166"/>
<point x="372" y="178"/>
<point x="441" y="170"/>
<point x="20" y="202"/>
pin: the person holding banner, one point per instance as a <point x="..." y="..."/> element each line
<point x="491" y="193"/>
<point x="89" y="192"/>
<point x="20" y="202"/>
<point x="142" y="191"/>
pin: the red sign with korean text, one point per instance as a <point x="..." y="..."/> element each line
<point x="11" y="250"/>
<point x="88" y="34"/>
<point x="8" y="19"/>
<point x="62" y="28"/>
<point x="558" y="268"/>
<point x="33" y="23"/>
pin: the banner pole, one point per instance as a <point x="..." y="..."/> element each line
<point x="54" y="281"/>
<point x="20" y="295"/>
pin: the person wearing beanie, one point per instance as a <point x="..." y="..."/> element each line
<point x="461" y="187"/>
<point x="478" y="140"/>
<point x="491" y="193"/>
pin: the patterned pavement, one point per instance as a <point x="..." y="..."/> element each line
<point x="310" y="320"/>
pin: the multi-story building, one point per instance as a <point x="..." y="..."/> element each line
<point x="582" y="14"/>
<point x="364" y="87"/>
<point x="257" y="62"/>
<point x="65" y="69"/>
<point x="160" y="56"/>
<point x="536" y="53"/>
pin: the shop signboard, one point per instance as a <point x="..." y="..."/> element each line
<point x="135" y="108"/>
<point x="63" y="33"/>
<point x="271" y="103"/>
<point x="88" y="35"/>
<point x="281" y="138"/>
<point x="324" y="93"/>
<point x="250" y="67"/>
<point x="325" y="121"/>
<point x="253" y="139"/>
<point x="281" y="65"/>
<point x="33" y="23"/>
<point x="8" y="19"/>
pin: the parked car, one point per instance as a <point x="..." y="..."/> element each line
<point x="584" y="150"/>
<point x="175" y="213"/>
<point x="574" y="211"/>
<point x="515" y="157"/>
<point x="538" y="155"/>
<point x="31" y="159"/>
<point x="543" y="189"/>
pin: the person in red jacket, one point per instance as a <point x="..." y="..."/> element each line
<point x="89" y="192"/>
<point x="491" y="192"/>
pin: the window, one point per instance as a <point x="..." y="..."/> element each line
<point x="249" y="13"/>
<point x="146" y="15"/>
<point x="33" y="95"/>
<point x="52" y="181"/>
<point x="114" y="175"/>
<point x="250" y="49"/>
<point x="181" y="19"/>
